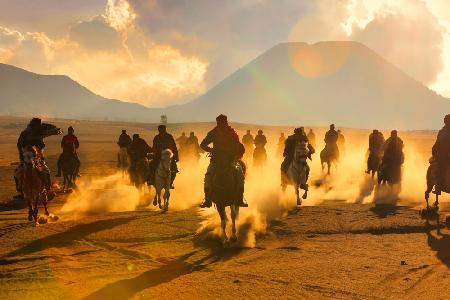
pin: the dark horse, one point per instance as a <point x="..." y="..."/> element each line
<point x="259" y="156"/>
<point x="431" y="183"/>
<point x="390" y="172"/>
<point x="329" y="156"/>
<point x="373" y="163"/>
<point x="33" y="182"/>
<point x="139" y="172"/>
<point x="69" y="170"/>
<point x="226" y="183"/>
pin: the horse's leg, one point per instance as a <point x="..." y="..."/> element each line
<point x="223" y="222"/>
<point x="297" y="194"/>
<point x="329" y="168"/>
<point x="30" y="207"/>
<point x="305" y="195"/>
<point x="44" y="202"/>
<point x="234" y="216"/>
<point x="35" y="207"/>
<point x="166" y="198"/>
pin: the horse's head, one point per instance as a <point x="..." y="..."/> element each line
<point x="50" y="129"/>
<point x="166" y="158"/>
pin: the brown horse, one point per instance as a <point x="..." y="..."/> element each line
<point x="34" y="190"/>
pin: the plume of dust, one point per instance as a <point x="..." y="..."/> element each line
<point x="104" y="194"/>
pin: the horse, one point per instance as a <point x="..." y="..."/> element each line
<point x="329" y="156"/>
<point x="69" y="170"/>
<point x="373" y="163"/>
<point x="139" y="172"/>
<point x="431" y="183"/>
<point x="297" y="172"/>
<point x="390" y="172"/>
<point x="122" y="160"/>
<point x="227" y="188"/>
<point x="163" y="179"/>
<point x="259" y="156"/>
<point x="33" y="187"/>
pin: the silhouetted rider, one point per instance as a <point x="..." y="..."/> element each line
<point x="441" y="154"/>
<point x="138" y="150"/>
<point x="227" y="150"/>
<point x="299" y="136"/>
<point x="393" y="150"/>
<point x="69" y="146"/>
<point x="376" y="142"/>
<point x="124" y="139"/>
<point x="162" y="141"/>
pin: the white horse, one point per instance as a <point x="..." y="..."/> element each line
<point x="297" y="172"/>
<point x="163" y="179"/>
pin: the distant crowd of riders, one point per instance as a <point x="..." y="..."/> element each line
<point x="227" y="152"/>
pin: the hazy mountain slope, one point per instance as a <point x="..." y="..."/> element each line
<point x="341" y="82"/>
<point x="26" y="93"/>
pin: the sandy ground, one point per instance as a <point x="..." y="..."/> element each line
<point x="330" y="248"/>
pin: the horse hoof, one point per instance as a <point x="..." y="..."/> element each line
<point x="42" y="220"/>
<point x="299" y="202"/>
<point x="305" y="196"/>
<point x="233" y="239"/>
<point x="155" y="203"/>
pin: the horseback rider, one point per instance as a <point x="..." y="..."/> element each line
<point x="312" y="138"/>
<point x="248" y="141"/>
<point x="331" y="138"/>
<point x="192" y="146"/>
<point x="138" y="150"/>
<point x="69" y="146"/>
<point x="280" y="145"/>
<point x="393" y="150"/>
<point x="299" y="136"/>
<point x="227" y="149"/>
<point x="260" y="140"/>
<point x="376" y="142"/>
<point x="441" y="154"/>
<point x="124" y="139"/>
<point x="34" y="135"/>
<point x="162" y="141"/>
<point x="182" y="143"/>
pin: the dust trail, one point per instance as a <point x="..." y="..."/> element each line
<point x="99" y="195"/>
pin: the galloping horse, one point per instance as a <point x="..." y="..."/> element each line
<point x="329" y="156"/>
<point x="227" y="187"/>
<point x="259" y="156"/>
<point x="373" y="163"/>
<point x="390" y="172"/>
<point x="139" y="172"/>
<point x="163" y="179"/>
<point x="297" y="172"/>
<point x="33" y="183"/>
<point x="431" y="183"/>
<point x="69" y="170"/>
<point x="123" y="160"/>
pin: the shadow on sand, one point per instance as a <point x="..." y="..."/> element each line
<point x="66" y="238"/>
<point x="384" y="210"/>
<point x="439" y="243"/>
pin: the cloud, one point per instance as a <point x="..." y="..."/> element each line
<point x="112" y="57"/>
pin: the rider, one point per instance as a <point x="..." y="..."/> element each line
<point x="248" y="142"/>
<point x="299" y="136"/>
<point x="162" y="141"/>
<point x="393" y="150"/>
<point x="138" y="150"/>
<point x="123" y="142"/>
<point x="376" y="142"/>
<point x="312" y="138"/>
<point x="192" y="146"/>
<point x="280" y="146"/>
<point x="226" y="148"/>
<point x="441" y="153"/>
<point x="33" y="135"/>
<point x="182" y="143"/>
<point x="69" y="145"/>
<point x="331" y="138"/>
<point x="260" y="140"/>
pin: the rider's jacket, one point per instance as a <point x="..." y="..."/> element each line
<point x="260" y="140"/>
<point x="289" y="148"/>
<point x="124" y="140"/>
<point x="393" y="150"/>
<point x="69" y="143"/>
<point x="28" y="137"/>
<point x="331" y="137"/>
<point x="376" y="142"/>
<point x="441" y="148"/>
<point x="138" y="149"/>
<point x="164" y="141"/>
<point x="226" y="144"/>
<point x="247" y="139"/>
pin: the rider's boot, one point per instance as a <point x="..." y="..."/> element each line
<point x="207" y="203"/>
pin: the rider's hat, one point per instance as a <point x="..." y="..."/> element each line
<point x="222" y="119"/>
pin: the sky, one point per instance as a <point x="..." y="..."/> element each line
<point x="165" y="52"/>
